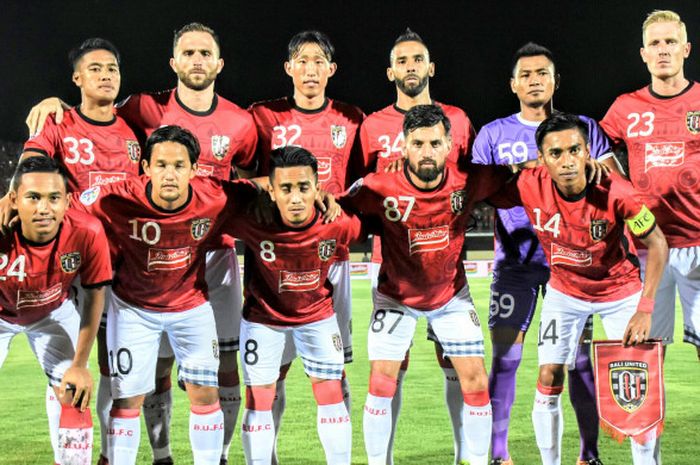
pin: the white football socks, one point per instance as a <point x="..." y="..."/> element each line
<point x="206" y="433"/>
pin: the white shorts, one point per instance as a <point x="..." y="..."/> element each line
<point x="456" y="326"/>
<point x="682" y="271"/>
<point x="339" y="277"/>
<point x="133" y="337"/>
<point x="52" y="340"/>
<point x="563" y="319"/>
<point x="224" y="282"/>
<point x="319" y="345"/>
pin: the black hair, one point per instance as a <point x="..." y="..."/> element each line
<point x="172" y="134"/>
<point x="560" y="121"/>
<point x="285" y="157"/>
<point x="195" y="27"/>
<point x="531" y="49"/>
<point x="89" y="45"/>
<point x="310" y="37"/>
<point x="407" y="36"/>
<point x="425" y="116"/>
<point x="37" y="164"/>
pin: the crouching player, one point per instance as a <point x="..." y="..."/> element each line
<point x="287" y="290"/>
<point x="40" y="258"/>
<point x="582" y="230"/>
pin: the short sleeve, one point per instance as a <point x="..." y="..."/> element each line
<point x="244" y="158"/>
<point x="482" y="151"/>
<point x="598" y="141"/>
<point x="625" y="200"/>
<point x="96" y="271"/>
<point x="509" y="194"/>
<point x="46" y="142"/>
<point x="610" y="123"/>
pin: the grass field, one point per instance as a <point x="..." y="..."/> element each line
<point x="424" y="435"/>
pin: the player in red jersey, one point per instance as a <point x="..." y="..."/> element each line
<point x="288" y="300"/>
<point x="584" y="230"/>
<point x="382" y="139"/>
<point x="330" y="130"/>
<point x="40" y="258"/>
<point x="424" y="210"/>
<point x="228" y="138"/>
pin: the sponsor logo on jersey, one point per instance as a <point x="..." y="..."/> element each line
<point x="70" y="262"/>
<point x="355" y="188"/>
<point x="663" y="155"/>
<point x="31" y="298"/>
<point x="326" y="249"/>
<point x="168" y="259"/>
<point x="89" y="196"/>
<point x="324" y="168"/>
<point x="474" y="317"/>
<point x="337" y="342"/>
<point x="565" y="256"/>
<point x="204" y="170"/>
<point x="428" y="240"/>
<point x="339" y="136"/>
<point x="457" y="199"/>
<point x="133" y="149"/>
<point x="102" y="178"/>
<point x="628" y="383"/>
<point x="598" y="229"/>
<point x="692" y="122"/>
<point x="299" y="281"/>
<point x="199" y="228"/>
<point x="219" y="146"/>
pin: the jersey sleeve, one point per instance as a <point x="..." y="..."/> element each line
<point x="611" y="123"/>
<point x="240" y="195"/>
<point x="482" y="153"/>
<point x="368" y="159"/>
<point x="358" y="198"/>
<point x="625" y="200"/>
<point x="96" y="271"/>
<point x="245" y="158"/>
<point x="509" y="194"/>
<point x="354" y="230"/>
<point x="46" y="142"/>
<point x="485" y="180"/>
<point x="598" y="141"/>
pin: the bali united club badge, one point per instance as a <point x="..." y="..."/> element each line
<point x="70" y="262"/>
<point x="339" y="136"/>
<point x="200" y="228"/>
<point x="598" y="229"/>
<point x="133" y="149"/>
<point x="219" y="146"/>
<point x="457" y="201"/>
<point x="326" y="249"/>
<point x="692" y="122"/>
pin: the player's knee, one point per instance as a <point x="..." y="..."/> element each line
<point x="202" y="395"/>
<point x="382" y="385"/>
<point x="164" y="367"/>
<point x="259" y="398"/>
<point x="128" y="403"/>
<point x="327" y="392"/>
<point x="551" y="375"/>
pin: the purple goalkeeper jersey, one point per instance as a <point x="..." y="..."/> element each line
<point x="508" y="141"/>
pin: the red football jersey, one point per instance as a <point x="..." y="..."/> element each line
<point x="662" y="135"/>
<point x="422" y="231"/>
<point x="287" y="269"/>
<point x="330" y="133"/>
<point x="589" y="250"/>
<point x="93" y="153"/>
<point x="381" y="137"/>
<point x="226" y="133"/>
<point x="36" y="278"/>
<point x="162" y="253"/>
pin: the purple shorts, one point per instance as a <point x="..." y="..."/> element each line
<point x="514" y="292"/>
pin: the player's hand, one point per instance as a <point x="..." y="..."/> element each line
<point x="596" y="171"/>
<point x="328" y="206"/>
<point x="637" y="329"/>
<point x="39" y="112"/>
<point x="8" y="215"/>
<point x="394" y="165"/>
<point x="80" y="383"/>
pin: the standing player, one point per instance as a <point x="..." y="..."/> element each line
<point x="424" y="211"/>
<point x="288" y="293"/>
<point x="162" y="223"/>
<point x="330" y="130"/>
<point x="40" y="258"/>
<point x="593" y="267"/>
<point x="521" y="270"/>
<point x="228" y="138"/>
<point x="382" y="139"/>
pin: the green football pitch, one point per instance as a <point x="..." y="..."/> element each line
<point x="424" y="432"/>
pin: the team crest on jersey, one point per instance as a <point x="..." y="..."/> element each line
<point x="628" y="383"/>
<point x="692" y="121"/>
<point x="70" y="262"/>
<point x="200" y="228"/>
<point x="457" y="199"/>
<point x="339" y="136"/>
<point x="337" y="342"/>
<point x="89" y="196"/>
<point x="215" y="348"/>
<point x="475" y="318"/>
<point x="219" y="146"/>
<point x="133" y="149"/>
<point x="598" y="229"/>
<point x="355" y="188"/>
<point x="326" y="249"/>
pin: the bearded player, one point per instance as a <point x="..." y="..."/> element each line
<point x="41" y="257"/>
<point x="330" y="130"/>
<point x="228" y="138"/>
<point x="382" y="139"/>
<point x="521" y="270"/>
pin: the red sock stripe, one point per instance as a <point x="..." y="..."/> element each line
<point x="125" y="412"/>
<point x="549" y="390"/>
<point x="476" y="399"/>
<point x="205" y="409"/>
<point x="381" y="385"/>
<point x="72" y="417"/>
<point x="259" y="398"/>
<point x="328" y="392"/>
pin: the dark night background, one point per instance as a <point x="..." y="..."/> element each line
<point x="596" y="44"/>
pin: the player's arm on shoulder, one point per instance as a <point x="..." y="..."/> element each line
<point x="41" y="111"/>
<point x="507" y="191"/>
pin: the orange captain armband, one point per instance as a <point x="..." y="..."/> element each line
<point x="642" y="222"/>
